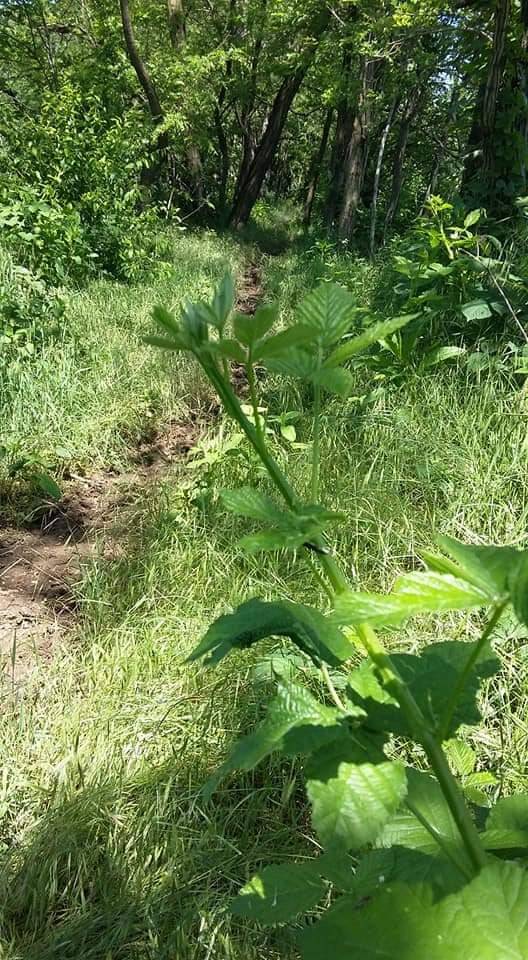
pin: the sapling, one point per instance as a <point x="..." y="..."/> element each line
<point x="417" y="870"/>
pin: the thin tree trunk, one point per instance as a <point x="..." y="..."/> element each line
<point x="377" y="174"/>
<point x="411" y="109"/>
<point x="315" y="168"/>
<point x="343" y="132"/>
<point x="356" y="155"/>
<point x="250" y="188"/>
<point x="176" y="16"/>
<point x="135" y="59"/>
<point x="480" y="158"/>
<point x="223" y="148"/>
<point x="249" y="141"/>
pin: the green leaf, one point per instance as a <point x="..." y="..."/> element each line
<point x="164" y="343"/>
<point x="249" y="328"/>
<point x="461" y="757"/>
<point x="223" y="300"/>
<point x="282" y="343"/>
<point x="431" y="677"/>
<point x="255" y="620"/>
<point x="248" y="502"/>
<point x="487" y="567"/>
<point x="380" y="867"/>
<point x="476" y="310"/>
<point x="228" y="348"/>
<point x="518" y="585"/>
<point x="335" y="380"/>
<point x="472" y="218"/>
<point x="48" y="485"/>
<point x="413" y="594"/>
<point x="295" y="723"/>
<point x="279" y="893"/>
<point x="377" y="331"/>
<point x="439" y="355"/>
<point x="164" y="318"/>
<point x="485" y="920"/>
<point x="405" y="830"/>
<point x="270" y="540"/>
<point x="507" y="826"/>
<point x="351" y="797"/>
<point x="329" y="310"/>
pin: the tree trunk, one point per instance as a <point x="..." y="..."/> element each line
<point x="135" y="59"/>
<point x="249" y="141"/>
<point x="176" y="16"/>
<point x="343" y="132"/>
<point x="315" y="168"/>
<point x="223" y="148"/>
<point x="250" y="187"/>
<point x="480" y="158"/>
<point x="377" y="174"/>
<point x="411" y="109"/>
<point x="356" y="155"/>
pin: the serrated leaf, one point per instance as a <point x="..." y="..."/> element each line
<point x="48" y="485"/>
<point x="507" y="826"/>
<point x="487" y="567"/>
<point x="351" y="797"/>
<point x="294" y="710"/>
<point x="335" y="380"/>
<point x="381" y="867"/>
<point x="282" y="343"/>
<point x="440" y="355"/>
<point x="518" y="587"/>
<point x="461" y="757"/>
<point x="413" y="594"/>
<point x="164" y="343"/>
<point x="164" y="318"/>
<point x="378" y="331"/>
<point x="267" y="541"/>
<point x="486" y="920"/>
<point x="228" y="348"/>
<point x="249" y="328"/>
<point x="255" y="620"/>
<point x="476" y="310"/>
<point x="279" y="893"/>
<point x="223" y="300"/>
<point x="248" y="502"/>
<point x="432" y="678"/>
<point x="329" y="310"/>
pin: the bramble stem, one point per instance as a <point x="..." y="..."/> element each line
<point x="250" y="372"/>
<point x="369" y="639"/>
<point x="471" y="661"/>
<point x="331" y="688"/>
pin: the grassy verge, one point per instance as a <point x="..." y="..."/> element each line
<point x="108" y="850"/>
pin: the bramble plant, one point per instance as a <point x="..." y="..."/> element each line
<point x="418" y="864"/>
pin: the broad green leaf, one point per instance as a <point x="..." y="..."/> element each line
<point x="405" y="830"/>
<point x="223" y="300"/>
<point x="164" y="318"/>
<point x="329" y="310"/>
<point x="335" y="380"/>
<point x="279" y="893"/>
<point x="351" y="797"/>
<point x="164" y="343"/>
<point x="487" y="919"/>
<point x="383" y="866"/>
<point x="255" y="620"/>
<point x="461" y="757"/>
<point x="432" y="678"/>
<point x="507" y="826"/>
<point x="413" y="594"/>
<point x="248" y="502"/>
<point x="476" y="310"/>
<point x="487" y="567"/>
<point x="440" y="355"/>
<point x="378" y="331"/>
<point x="48" y="485"/>
<point x="282" y="343"/>
<point x="295" y="363"/>
<point x="518" y="585"/>
<point x="267" y="541"/>
<point x="249" y="328"/>
<point x="472" y="218"/>
<point x="228" y="348"/>
<point x="294" y="710"/>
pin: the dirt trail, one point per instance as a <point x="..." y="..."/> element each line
<point x="40" y="565"/>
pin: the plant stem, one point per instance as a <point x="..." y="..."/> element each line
<point x="316" y="445"/>
<point x="331" y="688"/>
<point x="423" y="735"/>
<point x="369" y="639"/>
<point x="472" y="659"/>
<point x="439" y="839"/>
<point x="250" y="372"/>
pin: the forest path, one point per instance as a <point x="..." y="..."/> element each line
<point x="41" y="565"/>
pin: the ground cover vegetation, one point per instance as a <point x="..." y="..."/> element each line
<point x="317" y="485"/>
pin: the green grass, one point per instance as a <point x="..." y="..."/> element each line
<point x="109" y="851"/>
